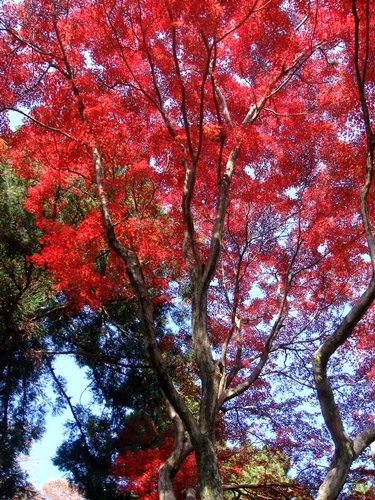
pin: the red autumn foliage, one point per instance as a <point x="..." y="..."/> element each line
<point x="218" y="154"/>
<point x="137" y="471"/>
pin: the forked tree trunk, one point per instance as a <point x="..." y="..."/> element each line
<point x="338" y="471"/>
<point x="210" y="482"/>
<point x="202" y="434"/>
<point x="347" y="450"/>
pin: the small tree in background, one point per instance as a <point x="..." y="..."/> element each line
<point x="58" y="489"/>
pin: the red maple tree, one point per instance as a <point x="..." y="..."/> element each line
<point x="217" y="153"/>
<point x="143" y="450"/>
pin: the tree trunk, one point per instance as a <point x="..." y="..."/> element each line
<point x="337" y="474"/>
<point x="344" y="454"/>
<point x="210" y="482"/>
<point x="191" y="494"/>
<point x="182" y="447"/>
<point x="165" y="482"/>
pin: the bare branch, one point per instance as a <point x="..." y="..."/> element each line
<point x="44" y="125"/>
<point x="362" y="440"/>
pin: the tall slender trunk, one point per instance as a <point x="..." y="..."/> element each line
<point x="344" y="445"/>
<point x="210" y="482"/>
<point x="182" y="447"/>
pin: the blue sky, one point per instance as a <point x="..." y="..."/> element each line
<point x="38" y="463"/>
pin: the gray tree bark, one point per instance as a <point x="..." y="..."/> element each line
<point x="182" y="447"/>
<point x="346" y="449"/>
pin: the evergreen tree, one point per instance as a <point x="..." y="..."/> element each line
<point x="108" y="344"/>
<point x="23" y="288"/>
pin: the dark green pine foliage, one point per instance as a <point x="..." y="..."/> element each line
<point x="23" y="288"/>
<point x="109" y="345"/>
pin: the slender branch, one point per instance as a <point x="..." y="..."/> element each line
<point x="362" y="440"/>
<point x="182" y="86"/>
<point x="235" y="487"/>
<point x="360" y="76"/>
<point x="278" y="324"/>
<point x="44" y="125"/>
<point x="30" y="44"/>
<point x="134" y="271"/>
<point x="243" y="21"/>
<point x="71" y="407"/>
<point x="222" y="100"/>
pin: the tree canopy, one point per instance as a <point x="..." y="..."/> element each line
<point x="215" y="157"/>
